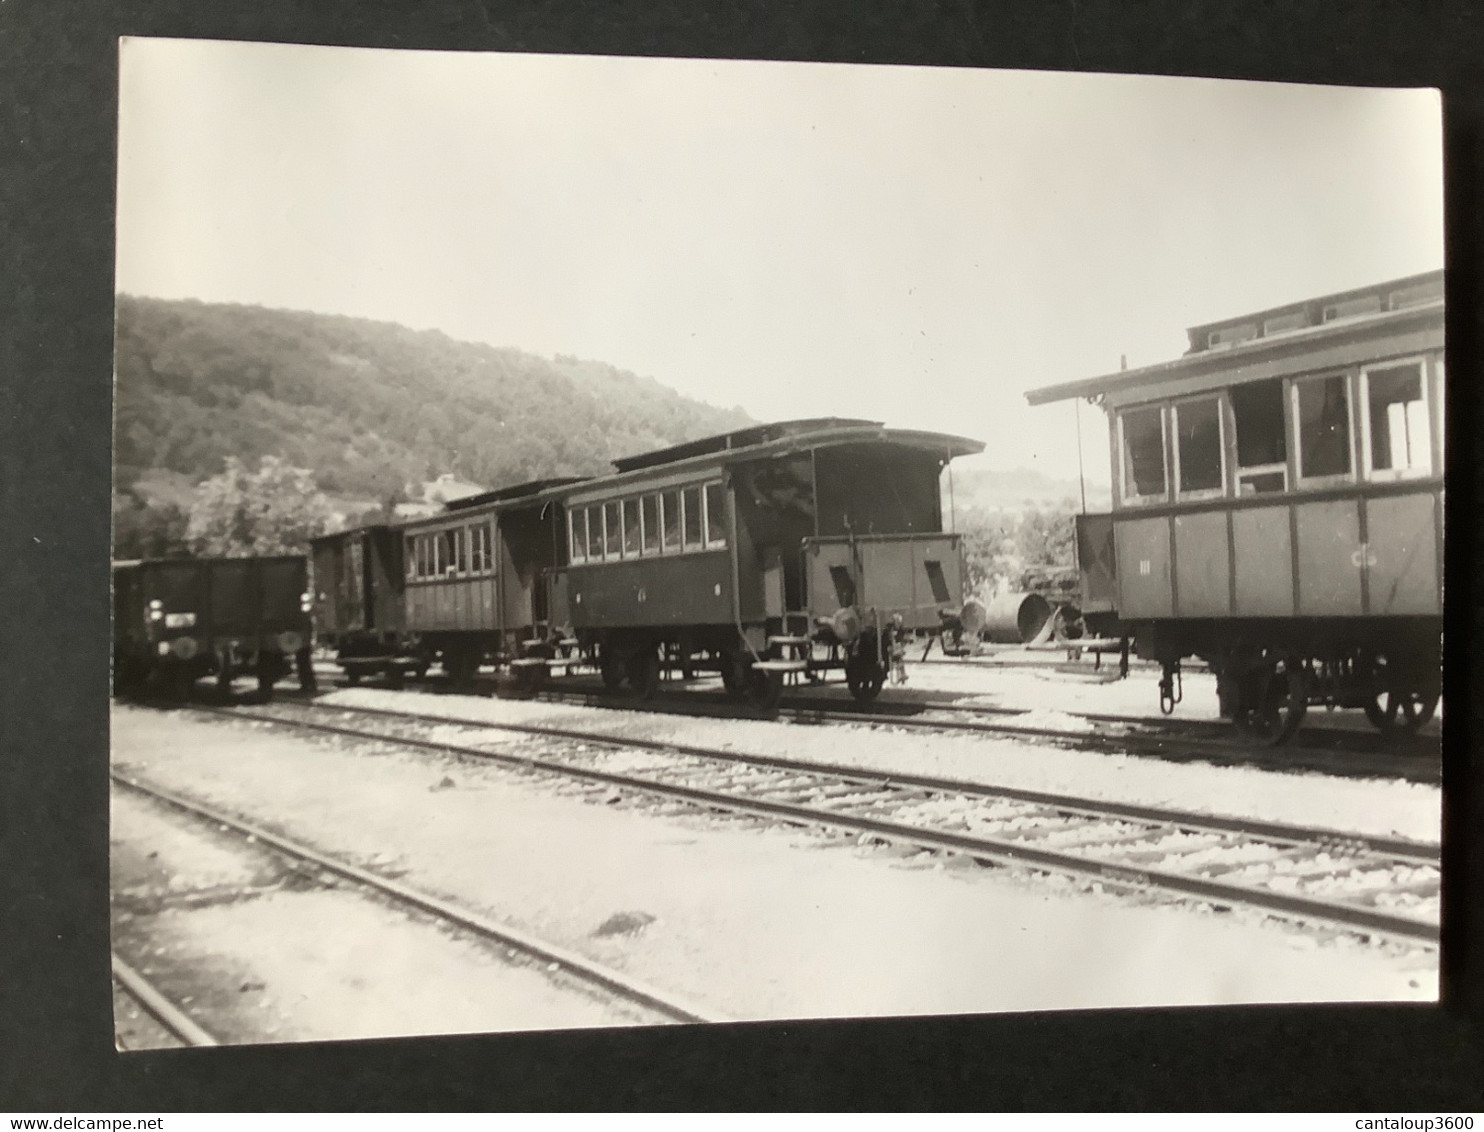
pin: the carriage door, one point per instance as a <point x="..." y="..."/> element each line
<point x="353" y="584"/>
<point x="326" y="562"/>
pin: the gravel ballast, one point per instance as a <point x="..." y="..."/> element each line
<point x="754" y="919"/>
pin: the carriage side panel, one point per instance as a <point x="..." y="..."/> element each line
<point x="1143" y="556"/>
<point x="1329" y="562"/>
<point x="688" y="589"/>
<point x="1263" y="553"/>
<point x="1401" y="555"/>
<point x="1202" y="564"/>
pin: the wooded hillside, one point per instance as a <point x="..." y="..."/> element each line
<point x="369" y="407"/>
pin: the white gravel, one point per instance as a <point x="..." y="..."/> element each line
<point x="254" y="959"/>
<point x="1379" y="807"/>
<point x="757" y="921"/>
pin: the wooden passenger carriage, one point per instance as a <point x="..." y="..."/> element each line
<point x="791" y="549"/>
<point x="460" y="588"/>
<point x="1278" y="507"/>
<point x="779" y="551"/>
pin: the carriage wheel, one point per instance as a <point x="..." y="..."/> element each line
<point x="179" y="682"/>
<point x="304" y="666"/>
<point x="610" y="668"/>
<point x="1273" y="695"/>
<point x="764" y="689"/>
<point x="736" y="673"/>
<point x="732" y="679"/>
<point x="1392" y="704"/>
<point x="643" y="671"/>
<point x="224" y="674"/>
<point x="532" y="677"/>
<point x="865" y="676"/>
<point x="461" y="667"/>
<point x="267" y="677"/>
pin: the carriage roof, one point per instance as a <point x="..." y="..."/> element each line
<point x="1399" y="316"/>
<point x="799" y="435"/>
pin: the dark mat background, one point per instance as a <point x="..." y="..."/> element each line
<point x="58" y="74"/>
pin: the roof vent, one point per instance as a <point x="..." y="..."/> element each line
<point x="1415" y="295"/>
<point x="1350" y="308"/>
<point x="1231" y="335"/>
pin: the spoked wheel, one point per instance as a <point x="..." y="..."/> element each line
<point x="643" y="670"/>
<point x="764" y="689"/>
<point x="865" y="676"/>
<point x="1273" y="695"/>
<point x="1395" y="703"/>
<point x="611" y="669"/>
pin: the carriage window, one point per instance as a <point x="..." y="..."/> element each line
<point x="650" y="512"/>
<point x="670" y="517"/>
<point x="595" y="542"/>
<point x="1262" y="444"/>
<point x="612" y="531"/>
<point x="478" y="557"/>
<point x="1143" y="453"/>
<point x="1198" y="445"/>
<point x="716" y="515"/>
<point x="692" y="502"/>
<point x="577" y="519"/>
<point x="455" y="552"/>
<point x="1323" y="411"/>
<point x="1396" y="413"/>
<point x="630" y="528"/>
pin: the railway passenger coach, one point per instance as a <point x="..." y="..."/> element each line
<point x="782" y="551"/>
<point x="461" y="588"/>
<point x="1278" y="508"/>
<point x="778" y="552"/>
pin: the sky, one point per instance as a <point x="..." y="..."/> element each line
<point x="908" y="244"/>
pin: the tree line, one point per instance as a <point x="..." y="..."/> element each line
<point x="1020" y="551"/>
<point x="366" y="408"/>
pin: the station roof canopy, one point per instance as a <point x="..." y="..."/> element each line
<point x="759" y="440"/>
<point x="1277" y="339"/>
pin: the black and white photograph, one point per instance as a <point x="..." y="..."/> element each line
<point x="603" y="541"/>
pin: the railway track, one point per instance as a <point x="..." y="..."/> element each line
<point x="1384" y="887"/>
<point x="1329" y="750"/>
<point x="171" y="1018"/>
<point x="654" y="1002"/>
<point x="1337" y="752"/>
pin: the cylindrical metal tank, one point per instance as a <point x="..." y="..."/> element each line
<point x="1016" y="619"/>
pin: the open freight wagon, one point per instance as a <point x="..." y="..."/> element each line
<point x="176" y="620"/>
